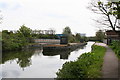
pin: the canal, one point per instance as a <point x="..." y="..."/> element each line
<point x="32" y="63"/>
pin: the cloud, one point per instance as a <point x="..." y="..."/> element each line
<point x="6" y="5"/>
<point x="44" y="14"/>
<point x="3" y="5"/>
<point x="53" y="15"/>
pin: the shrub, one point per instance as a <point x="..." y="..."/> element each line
<point x="88" y="65"/>
<point x="116" y="47"/>
<point x="12" y="41"/>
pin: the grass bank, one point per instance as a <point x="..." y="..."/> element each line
<point x="116" y="48"/>
<point x="88" y="65"/>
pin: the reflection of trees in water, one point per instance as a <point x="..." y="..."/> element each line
<point x="24" y="62"/>
<point x="37" y="52"/>
<point x="63" y="54"/>
<point x="23" y="57"/>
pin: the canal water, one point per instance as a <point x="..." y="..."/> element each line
<point x="33" y="63"/>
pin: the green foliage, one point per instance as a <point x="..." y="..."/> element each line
<point x="84" y="38"/>
<point x="91" y="38"/>
<point x="78" y="37"/>
<point x="88" y="65"/>
<point x="100" y="35"/>
<point x="70" y="70"/>
<point x="99" y="3"/>
<point x="14" y="41"/>
<point x="110" y="8"/>
<point x="116" y="47"/>
<point x="25" y="31"/>
<point x="73" y="38"/>
<point x="67" y="31"/>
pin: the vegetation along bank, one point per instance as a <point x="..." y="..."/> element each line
<point x="116" y="47"/>
<point x="88" y="65"/>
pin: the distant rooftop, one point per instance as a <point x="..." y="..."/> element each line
<point x="111" y="33"/>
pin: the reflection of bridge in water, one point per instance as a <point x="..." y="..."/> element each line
<point x="64" y="53"/>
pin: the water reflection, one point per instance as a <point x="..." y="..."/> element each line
<point x="34" y="63"/>
<point x="63" y="54"/>
<point x="23" y="58"/>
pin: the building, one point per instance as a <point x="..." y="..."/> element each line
<point x="63" y="38"/>
<point x="112" y="35"/>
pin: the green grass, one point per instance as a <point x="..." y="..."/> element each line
<point x="88" y="65"/>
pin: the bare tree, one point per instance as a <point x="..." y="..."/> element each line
<point x="52" y="30"/>
<point x="110" y="13"/>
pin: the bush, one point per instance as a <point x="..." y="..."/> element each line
<point x="88" y="65"/>
<point x="116" y="47"/>
<point x="12" y="41"/>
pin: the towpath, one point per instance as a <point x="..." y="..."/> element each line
<point x="110" y="64"/>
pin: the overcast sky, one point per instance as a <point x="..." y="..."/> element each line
<point x="45" y="14"/>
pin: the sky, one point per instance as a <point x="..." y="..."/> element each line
<point x="46" y="14"/>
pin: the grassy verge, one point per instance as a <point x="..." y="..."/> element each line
<point x="116" y="48"/>
<point x="88" y="65"/>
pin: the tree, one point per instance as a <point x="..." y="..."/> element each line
<point x="110" y="11"/>
<point x="15" y="41"/>
<point x="78" y="37"/>
<point x="12" y="41"/>
<point x="52" y="31"/>
<point x="100" y="35"/>
<point x="67" y="31"/>
<point x="25" y="32"/>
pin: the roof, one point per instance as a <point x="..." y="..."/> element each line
<point x="111" y="32"/>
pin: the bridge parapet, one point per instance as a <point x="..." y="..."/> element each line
<point x="54" y="41"/>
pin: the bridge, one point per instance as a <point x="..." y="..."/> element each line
<point x="43" y="31"/>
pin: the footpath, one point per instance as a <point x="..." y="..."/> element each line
<point x="110" y="64"/>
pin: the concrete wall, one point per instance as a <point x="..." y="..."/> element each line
<point x="57" y="41"/>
